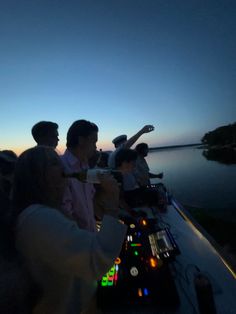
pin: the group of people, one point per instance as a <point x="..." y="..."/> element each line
<point x="51" y="218"/>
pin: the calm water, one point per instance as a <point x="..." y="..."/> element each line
<point x="196" y="181"/>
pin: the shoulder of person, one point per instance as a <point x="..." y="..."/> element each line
<point x="41" y="215"/>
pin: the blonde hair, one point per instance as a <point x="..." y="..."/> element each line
<point x="30" y="184"/>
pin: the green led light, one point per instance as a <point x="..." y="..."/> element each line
<point x="110" y="283"/>
<point x="103" y="284"/>
<point x="108" y="279"/>
<point x="136" y="253"/>
<point x="135" y="244"/>
<point x="111" y="272"/>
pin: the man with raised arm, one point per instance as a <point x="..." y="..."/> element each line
<point x="122" y="142"/>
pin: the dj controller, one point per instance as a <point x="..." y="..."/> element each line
<point x="141" y="276"/>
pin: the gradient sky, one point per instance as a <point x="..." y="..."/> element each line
<point x="119" y="63"/>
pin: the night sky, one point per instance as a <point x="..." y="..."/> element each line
<point x="120" y="64"/>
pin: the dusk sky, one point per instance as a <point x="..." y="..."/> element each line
<point x="120" y="64"/>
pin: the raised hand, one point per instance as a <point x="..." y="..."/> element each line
<point x="147" y="128"/>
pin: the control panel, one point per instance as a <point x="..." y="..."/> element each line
<point x="141" y="275"/>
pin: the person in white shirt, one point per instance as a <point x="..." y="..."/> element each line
<point x="121" y="141"/>
<point x="63" y="260"/>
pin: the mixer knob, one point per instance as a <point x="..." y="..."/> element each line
<point x="134" y="271"/>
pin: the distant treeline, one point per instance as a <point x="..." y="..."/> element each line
<point x="173" y="146"/>
<point x="224" y="135"/>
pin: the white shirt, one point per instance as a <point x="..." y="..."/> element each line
<point x="129" y="182"/>
<point x="112" y="157"/>
<point x="78" y="196"/>
<point x="64" y="260"/>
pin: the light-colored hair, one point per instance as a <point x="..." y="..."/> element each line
<point x="30" y="184"/>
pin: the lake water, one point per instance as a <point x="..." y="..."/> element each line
<point x="196" y="181"/>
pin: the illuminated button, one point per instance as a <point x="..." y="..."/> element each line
<point x="134" y="271"/>
<point x="117" y="261"/>
<point x="110" y="282"/>
<point x="136" y="253"/>
<point x="132" y="226"/>
<point x="144" y="222"/>
<point x="145" y="291"/>
<point x="104" y="281"/>
<point x="140" y="294"/>
<point x="129" y="238"/>
<point x="153" y="262"/>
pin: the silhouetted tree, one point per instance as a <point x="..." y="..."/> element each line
<point x="221" y="136"/>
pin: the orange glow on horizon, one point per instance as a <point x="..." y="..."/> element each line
<point x="104" y="145"/>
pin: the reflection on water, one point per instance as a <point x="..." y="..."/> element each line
<point x="222" y="155"/>
<point x="196" y="181"/>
